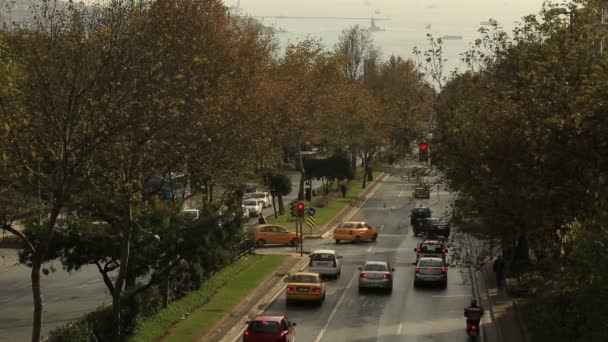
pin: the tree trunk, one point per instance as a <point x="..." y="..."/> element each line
<point x="302" y="174"/>
<point x="37" y="294"/>
<point x="281" y="205"/>
<point x="131" y="281"/>
<point x="353" y="162"/>
<point x="274" y="207"/>
<point x="125" y="249"/>
<point x="210" y="192"/>
<point x="365" y="161"/>
<point x="166" y="287"/>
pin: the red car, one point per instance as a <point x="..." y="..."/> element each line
<point x="270" y="328"/>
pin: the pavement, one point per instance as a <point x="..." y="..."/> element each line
<point x="408" y="314"/>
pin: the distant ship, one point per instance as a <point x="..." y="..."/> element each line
<point x="374" y="28"/>
<point x="452" y="37"/>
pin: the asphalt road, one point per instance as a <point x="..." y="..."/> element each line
<point x="408" y="314"/>
<point x="67" y="297"/>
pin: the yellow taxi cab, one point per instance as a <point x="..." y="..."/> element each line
<point x="304" y="286"/>
<point x="270" y="234"/>
<point x="355" y="231"/>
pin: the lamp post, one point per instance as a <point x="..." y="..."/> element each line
<point x="562" y="10"/>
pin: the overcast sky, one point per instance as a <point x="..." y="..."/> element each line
<point x="410" y="20"/>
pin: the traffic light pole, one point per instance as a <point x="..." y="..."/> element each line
<point x="301" y="237"/>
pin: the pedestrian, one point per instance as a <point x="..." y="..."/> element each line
<point x="499" y="268"/>
<point x="261" y="219"/>
<point x="343" y="190"/>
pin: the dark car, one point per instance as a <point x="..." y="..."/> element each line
<point x="270" y="328"/>
<point x="419" y="214"/>
<point x="432" y="227"/>
<point x="431" y="249"/>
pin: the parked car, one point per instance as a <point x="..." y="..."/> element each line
<point x="195" y="213"/>
<point x="419" y="214"/>
<point x="325" y="262"/>
<point x="252" y="206"/>
<point x="431" y="271"/>
<point x="304" y="286"/>
<point x="270" y="328"/>
<point x="355" y="231"/>
<point x="431" y="249"/>
<point x="432" y="226"/>
<point x="262" y="196"/>
<point x="269" y="234"/>
<point x="376" y="274"/>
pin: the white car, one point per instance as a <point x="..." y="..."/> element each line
<point x="263" y="196"/>
<point x="325" y="262"/>
<point x="253" y="207"/>
<point x="194" y="212"/>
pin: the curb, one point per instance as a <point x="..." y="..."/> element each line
<point x="275" y="287"/>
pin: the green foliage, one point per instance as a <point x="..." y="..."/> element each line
<point x="155" y="326"/>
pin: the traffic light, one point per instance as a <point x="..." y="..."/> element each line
<point x="300" y="209"/>
<point x="292" y="208"/>
<point x="423" y="152"/>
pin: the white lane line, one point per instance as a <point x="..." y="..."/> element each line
<point x="400" y="193"/>
<point x="399" y="328"/>
<point x="370" y="249"/>
<point x="381" y="227"/>
<point x="333" y="312"/>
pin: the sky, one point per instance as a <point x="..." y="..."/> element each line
<point x="410" y="20"/>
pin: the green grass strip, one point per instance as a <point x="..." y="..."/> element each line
<point x="208" y="304"/>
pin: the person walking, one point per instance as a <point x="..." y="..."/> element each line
<point x="499" y="268"/>
<point x="262" y="219"/>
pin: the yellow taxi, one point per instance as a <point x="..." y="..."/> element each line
<point x="270" y="234"/>
<point x="355" y="231"/>
<point x="304" y="286"/>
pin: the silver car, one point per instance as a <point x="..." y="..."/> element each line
<point x="376" y="274"/>
<point x="326" y="262"/>
<point x="431" y="271"/>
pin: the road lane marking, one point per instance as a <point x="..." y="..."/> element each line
<point x="399" y="328"/>
<point x="370" y="248"/>
<point x="401" y="193"/>
<point x="381" y="227"/>
<point x="333" y="312"/>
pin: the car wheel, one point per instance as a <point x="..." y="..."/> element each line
<point x="337" y="241"/>
<point x="374" y="237"/>
<point x="294" y="242"/>
<point x="415" y="232"/>
<point x="357" y="239"/>
<point x="260" y="243"/>
<point x="416" y="284"/>
<point x="444" y="284"/>
<point x="389" y="290"/>
<point x="361" y="289"/>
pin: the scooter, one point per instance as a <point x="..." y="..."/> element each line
<point x="473" y="329"/>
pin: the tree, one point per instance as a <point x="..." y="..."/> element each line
<point x="279" y="186"/>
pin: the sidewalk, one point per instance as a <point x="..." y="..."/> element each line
<point x="507" y="324"/>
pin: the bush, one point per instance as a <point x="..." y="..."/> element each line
<point x="321" y="202"/>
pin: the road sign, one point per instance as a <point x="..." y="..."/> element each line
<point x="311" y="221"/>
<point x="311" y="211"/>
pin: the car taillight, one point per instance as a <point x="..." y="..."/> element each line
<point x="290" y="288"/>
<point x="419" y="250"/>
<point x="443" y="250"/>
<point x="417" y="269"/>
<point x="474" y="327"/>
<point x="284" y="333"/>
<point x="316" y="290"/>
<point x="443" y="270"/>
<point x="363" y="275"/>
<point x="335" y="263"/>
<point x="387" y="276"/>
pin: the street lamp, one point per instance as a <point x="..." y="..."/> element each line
<point x="561" y="11"/>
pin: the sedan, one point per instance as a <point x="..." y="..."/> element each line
<point x="304" y="286"/>
<point x="376" y="274"/>
<point x="431" y="271"/>
<point x="270" y="328"/>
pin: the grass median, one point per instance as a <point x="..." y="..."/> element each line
<point x="210" y="303"/>
<point x="335" y="203"/>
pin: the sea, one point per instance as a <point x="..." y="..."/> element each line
<point x="404" y="24"/>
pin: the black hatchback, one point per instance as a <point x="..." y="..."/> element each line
<point x="432" y="226"/>
<point x="419" y="214"/>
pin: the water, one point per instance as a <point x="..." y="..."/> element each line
<point x="410" y="20"/>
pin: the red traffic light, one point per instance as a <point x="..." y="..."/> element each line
<point x="424" y="147"/>
<point x="300" y="206"/>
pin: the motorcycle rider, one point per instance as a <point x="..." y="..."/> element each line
<point x="473" y="313"/>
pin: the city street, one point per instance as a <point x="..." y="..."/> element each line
<point x="407" y="314"/>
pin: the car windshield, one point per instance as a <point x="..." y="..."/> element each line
<point x="375" y="267"/>
<point x="421" y="210"/>
<point x="304" y="278"/>
<point x="433" y="220"/>
<point x="258" y="195"/>
<point x="322" y="257"/>
<point x="431" y="262"/>
<point x="265" y="327"/>
<point x="430" y="248"/>
<point x="346" y="225"/>
<point x="252" y="203"/>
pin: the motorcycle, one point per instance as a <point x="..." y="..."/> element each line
<point x="473" y="329"/>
